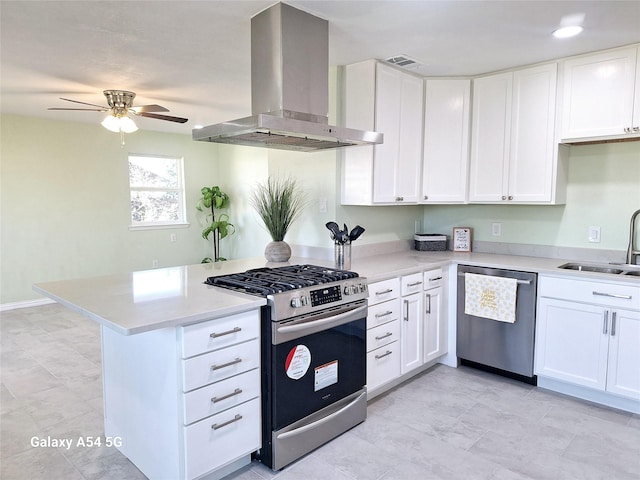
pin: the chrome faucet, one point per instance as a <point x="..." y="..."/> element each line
<point x="631" y="250"/>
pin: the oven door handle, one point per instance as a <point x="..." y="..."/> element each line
<point x="318" y="325"/>
<point x="322" y="421"/>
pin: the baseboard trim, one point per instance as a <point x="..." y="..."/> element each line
<point x="25" y="304"/>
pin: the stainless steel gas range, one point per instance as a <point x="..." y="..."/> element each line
<point x="313" y="355"/>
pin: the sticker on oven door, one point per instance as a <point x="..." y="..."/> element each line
<point x="298" y="362"/>
<point x="326" y="375"/>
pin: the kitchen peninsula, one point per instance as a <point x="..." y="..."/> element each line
<point x="153" y="323"/>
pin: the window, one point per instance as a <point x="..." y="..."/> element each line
<point x="157" y="191"/>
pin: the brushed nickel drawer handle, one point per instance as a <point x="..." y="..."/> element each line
<point x="382" y="292"/>
<point x="228" y="364"/>
<point x="237" y="391"/>
<point x="384" y="314"/>
<point x="216" y="426"/>
<point x="385" y="354"/>
<point x="433" y="279"/>
<point x="388" y="334"/>
<point x="228" y="332"/>
<point x="614" y="295"/>
<point x="414" y="284"/>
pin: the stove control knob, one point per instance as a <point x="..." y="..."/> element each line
<point x="296" y="302"/>
<point x="347" y="291"/>
<point x="304" y="300"/>
<point x="354" y="289"/>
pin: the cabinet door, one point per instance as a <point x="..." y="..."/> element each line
<point x="532" y="156"/>
<point x="411" y="332"/>
<point x="410" y="149"/>
<point x="490" y="138"/>
<point x="598" y="94"/>
<point x="572" y="342"/>
<point x="623" y="376"/>
<point x="388" y="108"/>
<point x="435" y="328"/>
<point x="445" y="162"/>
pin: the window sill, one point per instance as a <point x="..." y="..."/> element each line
<point x="159" y="226"/>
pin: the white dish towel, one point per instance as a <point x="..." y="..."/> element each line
<point x="490" y="297"/>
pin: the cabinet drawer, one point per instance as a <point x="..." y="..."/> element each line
<point x="383" y="335"/>
<point x="384" y="290"/>
<point x="411" y="284"/>
<point x="433" y="278"/>
<point x="383" y="312"/>
<point x="207" y="336"/>
<point x="383" y="365"/>
<point x="215" y="366"/>
<point x="223" y="438"/>
<point x="599" y="293"/>
<point x="220" y="396"/>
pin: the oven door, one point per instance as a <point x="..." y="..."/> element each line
<point x="317" y="361"/>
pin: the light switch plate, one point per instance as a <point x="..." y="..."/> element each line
<point x="594" y="234"/>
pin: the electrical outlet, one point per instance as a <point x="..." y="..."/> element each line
<point x="496" y="229"/>
<point x="594" y="234"/>
<point x="172" y="237"/>
<point x="322" y="205"/>
<point x="154" y="263"/>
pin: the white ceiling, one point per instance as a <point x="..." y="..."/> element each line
<point x="193" y="57"/>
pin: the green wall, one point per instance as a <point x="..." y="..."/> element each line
<point x="65" y="203"/>
<point x="603" y="190"/>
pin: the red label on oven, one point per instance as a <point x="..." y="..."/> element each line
<point x="298" y="362"/>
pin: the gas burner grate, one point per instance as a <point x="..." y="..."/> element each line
<point x="269" y="281"/>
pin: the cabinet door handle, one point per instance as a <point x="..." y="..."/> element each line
<point x="614" y="295"/>
<point x="428" y="297"/>
<point x="228" y="364"/>
<point x="510" y="197"/>
<point x="384" y="314"/>
<point x="636" y="129"/>
<point x="605" y="322"/>
<point x="406" y="310"/>
<point x="237" y="391"/>
<point x="385" y="354"/>
<point x="382" y="292"/>
<point x="399" y="199"/>
<point x="388" y="334"/>
<point x="228" y="332"/>
<point x="216" y="426"/>
<point x="627" y="130"/>
<point x="613" y="324"/>
<point x="414" y="284"/>
<point x="433" y="279"/>
<point x="504" y="197"/>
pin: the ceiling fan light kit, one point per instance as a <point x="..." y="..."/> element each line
<point x="120" y="105"/>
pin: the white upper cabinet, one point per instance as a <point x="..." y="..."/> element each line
<point x="514" y="156"/>
<point x="382" y="98"/>
<point x="445" y="165"/>
<point x="602" y="95"/>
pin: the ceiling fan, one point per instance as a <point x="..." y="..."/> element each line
<point x="120" y="105"/>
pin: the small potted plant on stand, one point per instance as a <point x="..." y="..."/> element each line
<point x="213" y="198"/>
<point x="278" y="202"/>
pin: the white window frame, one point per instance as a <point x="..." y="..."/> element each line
<point x="180" y="189"/>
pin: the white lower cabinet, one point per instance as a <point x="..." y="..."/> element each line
<point x="185" y="401"/>
<point x="588" y="335"/>
<point x="383" y="333"/>
<point x="435" y="327"/>
<point x="411" y="334"/>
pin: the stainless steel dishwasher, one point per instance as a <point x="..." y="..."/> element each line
<point x="503" y="348"/>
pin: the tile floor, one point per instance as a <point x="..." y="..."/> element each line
<point x="444" y="424"/>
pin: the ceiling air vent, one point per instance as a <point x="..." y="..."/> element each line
<point x="406" y="62"/>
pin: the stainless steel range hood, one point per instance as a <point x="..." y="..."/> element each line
<point x="289" y="88"/>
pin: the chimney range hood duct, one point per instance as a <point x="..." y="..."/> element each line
<point x="289" y="88"/>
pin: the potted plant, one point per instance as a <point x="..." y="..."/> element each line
<point x="213" y="198"/>
<point x="278" y="202"/>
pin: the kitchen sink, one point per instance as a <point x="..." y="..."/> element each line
<point x="613" y="269"/>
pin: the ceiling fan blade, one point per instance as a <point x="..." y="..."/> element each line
<point x="163" y="117"/>
<point x="84" y="103"/>
<point x="82" y="109"/>
<point x="149" y="108"/>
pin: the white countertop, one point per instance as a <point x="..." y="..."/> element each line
<point x="137" y="302"/>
